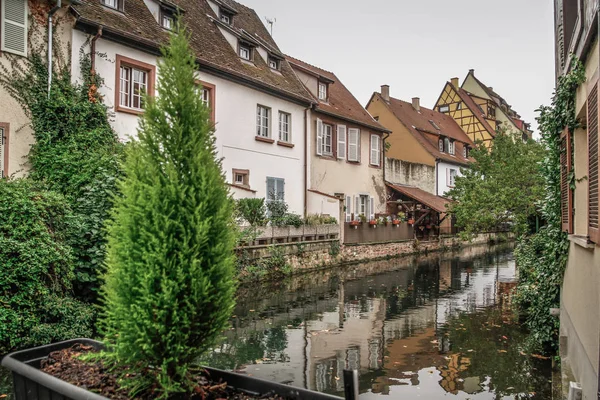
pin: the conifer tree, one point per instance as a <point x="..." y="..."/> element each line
<point x="169" y="288"/>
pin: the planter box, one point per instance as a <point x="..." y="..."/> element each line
<point x="281" y="231"/>
<point x="333" y="229"/>
<point x="294" y="232"/>
<point x="32" y="384"/>
<point x="310" y="230"/>
<point x="264" y="232"/>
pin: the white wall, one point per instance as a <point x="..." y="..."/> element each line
<point x="442" y="176"/>
<point x="235" y="115"/>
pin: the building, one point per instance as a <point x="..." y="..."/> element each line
<point x="504" y="115"/>
<point x="477" y="121"/>
<point x="23" y="29"/>
<point x="427" y="148"/>
<point x="576" y="30"/>
<point x="344" y="149"/>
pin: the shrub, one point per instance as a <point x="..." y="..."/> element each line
<point x="170" y="287"/>
<point x="319" y="219"/>
<point x="277" y="212"/>
<point x="294" y="220"/>
<point x="253" y="211"/>
<point x="37" y="268"/>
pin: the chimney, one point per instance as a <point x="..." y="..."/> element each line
<point x="416" y="103"/>
<point x="454" y="82"/>
<point x="385" y="92"/>
<point x="472" y="71"/>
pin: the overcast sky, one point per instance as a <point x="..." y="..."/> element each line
<point x="416" y="46"/>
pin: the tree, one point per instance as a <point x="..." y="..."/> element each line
<point x="503" y="185"/>
<point x="170" y="287"/>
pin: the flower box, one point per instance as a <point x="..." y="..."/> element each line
<point x="373" y="223"/>
<point x="32" y="384"/>
<point x="354" y="224"/>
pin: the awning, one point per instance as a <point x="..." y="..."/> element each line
<point x="436" y="203"/>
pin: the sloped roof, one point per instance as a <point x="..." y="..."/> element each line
<point x="432" y="201"/>
<point x="418" y="123"/>
<point x="212" y="50"/>
<point x="474" y="107"/>
<point x="341" y="101"/>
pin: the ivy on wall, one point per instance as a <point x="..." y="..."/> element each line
<point x="542" y="258"/>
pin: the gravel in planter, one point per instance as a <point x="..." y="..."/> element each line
<point x="95" y="377"/>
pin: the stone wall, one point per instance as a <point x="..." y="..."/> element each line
<point x="319" y="254"/>
<point x="406" y="173"/>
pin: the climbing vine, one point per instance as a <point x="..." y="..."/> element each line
<point x="542" y="258"/>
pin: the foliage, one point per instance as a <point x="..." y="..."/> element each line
<point x="253" y="211"/>
<point x="75" y="153"/>
<point x="170" y="286"/>
<point x="292" y="219"/>
<point x="37" y="268"/>
<point x="319" y="219"/>
<point x="502" y="185"/>
<point x="542" y="258"/>
<point x="334" y="248"/>
<point x="277" y="212"/>
<point x="276" y="264"/>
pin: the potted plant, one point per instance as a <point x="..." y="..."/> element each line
<point x="373" y="223"/>
<point x="362" y="218"/>
<point x="395" y="222"/>
<point x="354" y="224"/>
<point x="170" y="276"/>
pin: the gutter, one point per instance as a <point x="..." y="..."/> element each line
<point x="93" y="50"/>
<point x="50" y="14"/>
<point x="437" y="168"/>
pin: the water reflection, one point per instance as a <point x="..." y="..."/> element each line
<point x="422" y="327"/>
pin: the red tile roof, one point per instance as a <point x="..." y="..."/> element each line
<point x="419" y="125"/>
<point x="212" y="49"/>
<point x="432" y="201"/>
<point x="341" y="102"/>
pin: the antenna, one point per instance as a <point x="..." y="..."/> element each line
<point x="271" y="22"/>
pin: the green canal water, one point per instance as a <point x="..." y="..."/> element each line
<point x="433" y="327"/>
<point x="439" y="326"/>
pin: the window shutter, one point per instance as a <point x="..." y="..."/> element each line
<point x="356" y="207"/>
<point x="319" y="137"/>
<point x="447" y="176"/>
<point x="566" y="194"/>
<point x="348" y="208"/>
<point x="341" y="144"/>
<point x="592" y="125"/>
<point x="371" y="208"/>
<point x="375" y="151"/>
<point x="14" y="26"/>
<point x="352" y="144"/>
<point x="358" y="145"/>
<point x="2" y="148"/>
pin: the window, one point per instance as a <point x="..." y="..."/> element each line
<point x="167" y="20"/>
<point x="444" y="108"/>
<point x="446" y="145"/>
<point x="135" y="78"/>
<point x="275" y="189"/>
<point x="375" y="150"/>
<point x="441" y="145"/>
<point x="322" y="91"/>
<point x="348" y="208"/>
<point x="451" y="147"/>
<point x="14" y="26"/>
<point x="263" y="115"/>
<point x="354" y="145"/>
<point x="465" y="151"/>
<point x="341" y="141"/>
<point x="4" y="149"/>
<point x="451" y="177"/>
<point x="285" y="120"/>
<point x="273" y="63"/>
<point x="566" y="194"/>
<point x="327" y="140"/>
<point x="245" y="52"/>
<point x="241" y="177"/>
<point x="116" y="4"/>
<point x="207" y="94"/>
<point x="226" y="17"/>
<point x="365" y="205"/>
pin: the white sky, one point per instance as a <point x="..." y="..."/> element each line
<point x="416" y="46"/>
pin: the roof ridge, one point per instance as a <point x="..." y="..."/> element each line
<point x="309" y="64"/>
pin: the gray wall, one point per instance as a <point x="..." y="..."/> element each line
<point x="406" y="173"/>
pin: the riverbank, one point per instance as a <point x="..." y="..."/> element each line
<point x="268" y="262"/>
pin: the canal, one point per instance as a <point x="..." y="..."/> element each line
<point x="432" y="327"/>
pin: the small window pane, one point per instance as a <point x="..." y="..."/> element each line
<point x="262" y="121"/>
<point x="111" y="3"/>
<point x="273" y="64"/>
<point x="124" y="89"/>
<point x="245" y="52"/>
<point x="322" y="91"/>
<point x="167" y="21"/>
<point x="284" y="127"/>
<point x="444" y="109"/>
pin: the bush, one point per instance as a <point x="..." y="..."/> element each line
<point x="37" y="268"/>
<point x="277" y="212"/>
<point x="294" y="220"/>
<point x="319" y="219"/>
<point x="170" y="287"/>
<point x="253" y="211"/>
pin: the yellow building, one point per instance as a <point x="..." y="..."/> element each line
<point x="473" y="114"/>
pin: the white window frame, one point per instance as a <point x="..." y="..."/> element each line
<point x="205" y="94"/>
<point x="354" y="145"/>
<point x="444" y="108"/>
<point x="278" y="187"/>
<point x="225" y="19"/>
<point x="17" y="25"/>
<point x="441" y="145"/>
<point x="263" y="121"/>
<point x="322" y="91"/>
<point x="285" y="127"/>
<point x="247" y="50"/>
<point x="273" y="64"/>
<point x="348" y="205"/>
<point x="375" y="150"/>
<point x="327" y="146"/>
<point x="465" y="151"/>
<point x="341" y="141"/>
<point x="167" y="21"/>
<point x="131" y="95"/>
<point x="451" y="147"/>
<point x="452" y="174"/>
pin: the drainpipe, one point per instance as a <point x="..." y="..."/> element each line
<point x="436" y="176"/>
<point x="50" y="14"/>
<point x="306" y="132"/>
<point x="387" y="135"/>
<point x="93" y="50"/>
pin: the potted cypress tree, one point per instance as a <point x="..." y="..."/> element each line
<point x="169" y="286"/>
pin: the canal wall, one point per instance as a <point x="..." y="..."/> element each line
<point x="319" y="254"/>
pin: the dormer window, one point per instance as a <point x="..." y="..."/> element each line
<point x="245" y="52"/>
<point x="441" y="145"/>
<point x="167" y="20"/>
<point x="226" y="17"/>
<point x="465" y="151"/>
<point x="116" y="4"/>
<point x="323" y="91"/>
<point x="273" y="63"/>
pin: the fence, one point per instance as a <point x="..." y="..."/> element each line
<point x="365" y="233"/>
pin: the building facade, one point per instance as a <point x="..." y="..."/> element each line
<point x="576" y="24"/>
<point x="344" y="149"/>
